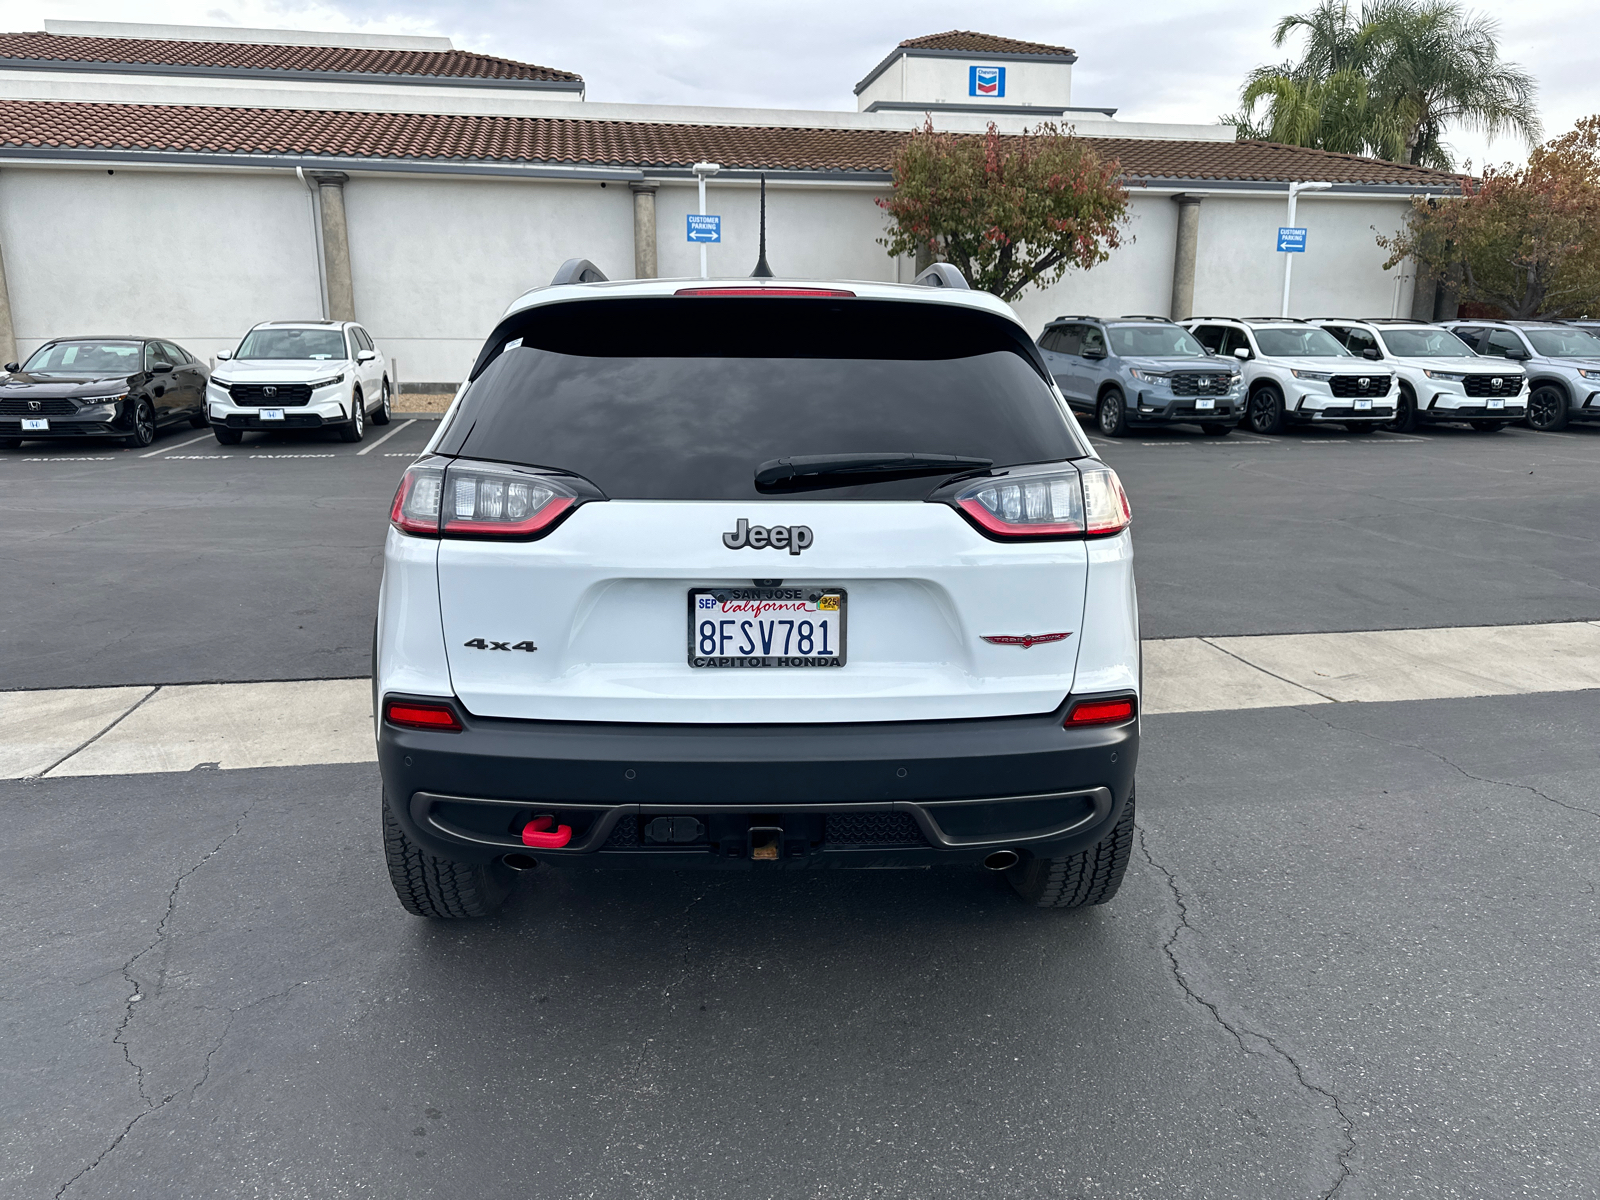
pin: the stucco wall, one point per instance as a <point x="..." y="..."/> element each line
<point x="945" y="81"/>
<point x="198" y="257"/>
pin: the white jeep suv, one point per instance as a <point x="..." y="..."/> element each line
<point x="1296" y="373"/>
<point x="299" y="375"/>
<point x="1441" y="377"/>
<point x="756" y="575"/>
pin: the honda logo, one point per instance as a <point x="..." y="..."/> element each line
<point x="1363" y="381"/>
<point x="269" y="391"/>
<point x="33" y="405"/>
<point x="1495" y="382"/>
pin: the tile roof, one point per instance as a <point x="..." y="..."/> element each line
<point x="248" y="56"/>
<point x="967" y="41"/>
<point x="196" y="129"/>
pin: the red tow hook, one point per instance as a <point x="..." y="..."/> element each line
<point x="543" y="833"/>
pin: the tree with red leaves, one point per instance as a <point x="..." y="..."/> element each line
<point x="1524" y="239"/>
<point x="1009" y="211"/>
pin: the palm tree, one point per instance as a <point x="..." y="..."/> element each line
<point x="1389" y="82"/>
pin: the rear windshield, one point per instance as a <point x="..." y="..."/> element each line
<point x="682" y="399"/>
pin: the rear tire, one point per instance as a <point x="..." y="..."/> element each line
<point x="1214" y="430"/>
<point x="1112" y="414"/>
<point x="440" y="888"/>
<point x="381" y="417"/>
<point x="1265" y="413"/>
<point x="355" y="428"/>
<point x="1488" y="426"/>
<point x="226" y="436"/>
<point x="1547" y="409"/>
<point x="1091" y="876"/>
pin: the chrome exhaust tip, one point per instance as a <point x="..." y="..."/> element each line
<point x="1000" y="860"/>
<point x="520" y="862"/>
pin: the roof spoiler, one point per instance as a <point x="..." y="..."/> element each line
<point x="943" y="275"/>
<point x="578" y="270"/>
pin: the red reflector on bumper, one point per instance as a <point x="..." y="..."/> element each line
<point x="422" y="716"/>
<point x="1100" y="712"/>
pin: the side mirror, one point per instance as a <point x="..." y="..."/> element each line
<point x="1517" y="355"/>
<point x="161" y="369"/>
<point x="13" y="368"/>
<point x="366" y="355"/>
<point x="1242" y="354"/>
<point x="224" y="355"/>
<point x="1371" y="353"/>
<point x="1093" y="354"/>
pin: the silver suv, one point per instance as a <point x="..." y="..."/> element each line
<point x="1131" y="371"/>
<point x="1562" y="362"/>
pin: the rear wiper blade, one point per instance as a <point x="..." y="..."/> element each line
<point x="805" y="466"/>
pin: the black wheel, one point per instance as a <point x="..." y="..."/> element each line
<point x="1091" y="876"/>
<point x="1488" y="426"/>
<point x="381" y="417"/>
<point x="1112" y="414"/>
<point x="1215" y="430"/>
<point x="226" y="436"/>
<point x="1405" y="413"/>
<point x="10" y="443"/>
<point x="198" y="420"/>
<point x="440" y="887"/>
<point x="355" y="428"/>
<point x="1266" y="410"/>
<point x="1547" y="408"/>
<point x="1361" y="427"/>
<point x="144" y="425"/>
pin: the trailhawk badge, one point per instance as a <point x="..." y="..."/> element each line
<point x="1026" y="640"/>
<point x="793" y="538"/>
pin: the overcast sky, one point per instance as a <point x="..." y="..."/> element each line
<point x="1169" y="60"/>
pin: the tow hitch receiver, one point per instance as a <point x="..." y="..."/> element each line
<point x="766" y="843"/>
<point x="543" y="833"/>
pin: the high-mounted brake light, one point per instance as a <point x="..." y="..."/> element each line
<point x="1099" y="712"/>
<point x="763" y="291"/>
<point x="413" y="714"/>
<point x="471" y="499"/>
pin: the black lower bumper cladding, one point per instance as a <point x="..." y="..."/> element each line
<point x="742" y="796"/>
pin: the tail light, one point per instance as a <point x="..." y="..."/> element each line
<point x="1062" y="502"/>
<point x="1100" y="712"/>
<point x="473" y="499"/>
<point x="417" y="714"/>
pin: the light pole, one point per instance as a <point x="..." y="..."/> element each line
<point x="1288" y="258"/>
<point x="703" y="171"/>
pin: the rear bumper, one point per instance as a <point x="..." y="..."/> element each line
<point x="862" y="795"/>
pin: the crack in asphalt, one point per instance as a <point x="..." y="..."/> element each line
<point x="136" y="996"/>
<point x="1248" y="1038"/>
<point x="1454" y="766"/>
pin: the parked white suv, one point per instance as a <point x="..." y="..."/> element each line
<point x="1296" y="373"/>
<point x="757" y="575"/>
<point x="299" y="375"/>
<point x="1441" y="377"/>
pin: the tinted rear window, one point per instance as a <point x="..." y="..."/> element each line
<point x="682" y="399"/>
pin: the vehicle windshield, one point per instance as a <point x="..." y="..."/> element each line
<point x="1299" y="343"/>
<point x="1564" y="343"/>
<point x="1153" y="341"/>
<point x="292" y="343"/>
<point x="85" y="358"/>
<point x="1425" y="343"/>
<point x="683" y="399"/>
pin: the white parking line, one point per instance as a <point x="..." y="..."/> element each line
<point x="177" y="446"/>
<point x="384" y="438"/>
<point x="142" y="730"/>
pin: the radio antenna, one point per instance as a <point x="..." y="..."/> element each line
<point x="763" y="271"/>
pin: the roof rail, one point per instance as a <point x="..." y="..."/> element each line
<point x="1077" y="317"/>
<point x="1275" y="320"/>
<point x="943" y="275"/>
<point x="578" y="270"/>
<point x="1145" y="317"/>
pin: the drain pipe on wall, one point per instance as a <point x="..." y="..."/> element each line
<point x="316" y="233"/>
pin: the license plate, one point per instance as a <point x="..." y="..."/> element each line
<point x="1205" y="405"/>
<point x="1500" y="404"/>
<point x="1363" y="405"/>
<point x="766" y="627"/>
<point x="272" y="414"/>
<point x="34" y="424"/>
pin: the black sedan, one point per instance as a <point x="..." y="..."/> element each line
<point x="125" y="388"/>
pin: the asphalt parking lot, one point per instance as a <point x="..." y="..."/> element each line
<point x="1355" y="953"/>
